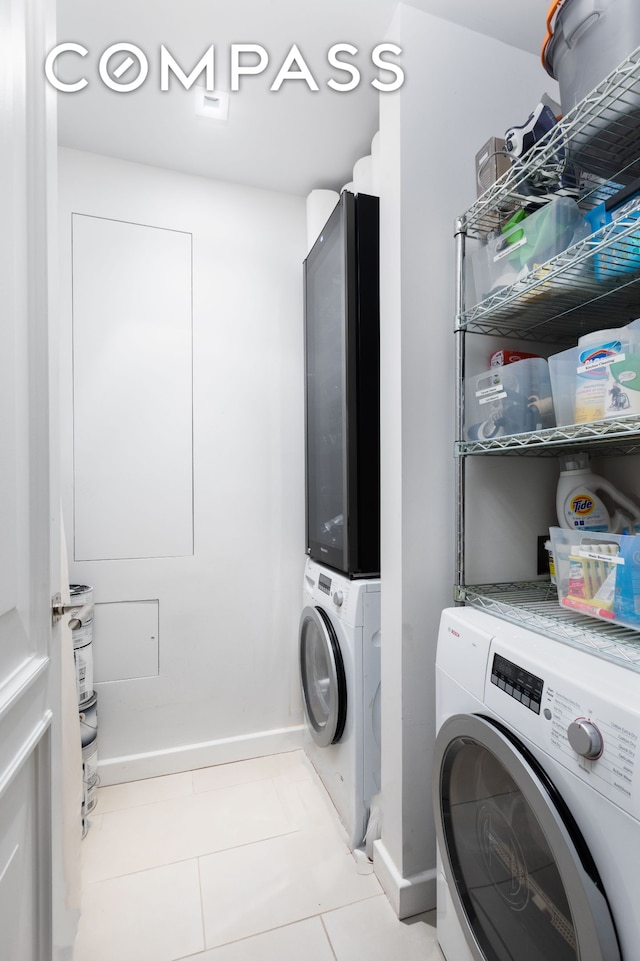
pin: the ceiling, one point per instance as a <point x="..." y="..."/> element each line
<point x="293" y="139"/>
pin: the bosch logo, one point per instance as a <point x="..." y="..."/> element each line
<point x="455" y="633"/>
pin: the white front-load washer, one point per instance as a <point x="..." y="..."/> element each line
<point x="339" y="648"/>
<point x="537" y="797"/>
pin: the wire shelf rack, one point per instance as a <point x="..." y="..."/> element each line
<point x="601" y="134"/>
<point x="562" y="299"/>
<point x="598" y="142"/>
<point x="616" y="436"/>
<point x="534" y="604"/>
<point x="589" y="156"/>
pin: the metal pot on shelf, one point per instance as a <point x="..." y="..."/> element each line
<point x="586" y="42"/>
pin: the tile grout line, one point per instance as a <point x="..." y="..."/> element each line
<point x="328" y="937"/>
<point x="288" y="924"/>
<point x="285" y="775"/>
<point x="204" y="934"/>
<point x="175" y="797"/>
<point x="192" y="772"/>
<point x="259" y="934"/>
<point x="351" y="904"/>
<point x="194" y="857"/>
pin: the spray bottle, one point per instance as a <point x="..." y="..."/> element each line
<point x="580" y="507"/>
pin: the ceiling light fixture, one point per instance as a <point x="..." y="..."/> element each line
<point x="213" y="104"/>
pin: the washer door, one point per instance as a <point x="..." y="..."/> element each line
<point x="520" y="874"/>
<point x="324" y="687"/>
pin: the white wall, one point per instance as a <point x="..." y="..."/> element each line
<point x="458" y="92"/>
<point x="226" y="685"/>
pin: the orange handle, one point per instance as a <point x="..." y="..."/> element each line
<point x="551" y="12"/>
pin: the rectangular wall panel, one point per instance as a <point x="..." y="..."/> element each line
<point x="126" y="640"/>
<point x="132" y="384"/>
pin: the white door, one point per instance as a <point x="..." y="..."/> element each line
<point x="29" y="529"/>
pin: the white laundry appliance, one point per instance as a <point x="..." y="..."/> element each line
<point x="537" y="797"/>
<point x="339" y="647"/>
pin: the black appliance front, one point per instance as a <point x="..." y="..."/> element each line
<point x="342" y="393"/>
<point x="520" y="874"/>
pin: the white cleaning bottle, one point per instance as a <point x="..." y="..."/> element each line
<point x="580" y="507"/>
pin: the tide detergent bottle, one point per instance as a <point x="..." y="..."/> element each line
<point x="587" y="502"/>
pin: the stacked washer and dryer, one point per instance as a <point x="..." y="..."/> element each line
<point x="339" y="636"/>
<point x="536" y="796"/>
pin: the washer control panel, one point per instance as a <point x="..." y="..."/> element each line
<point x="324" y="584"/>
<point x="337" y="592"/>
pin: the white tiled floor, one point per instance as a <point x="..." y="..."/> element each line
<point x="241" y="862"/>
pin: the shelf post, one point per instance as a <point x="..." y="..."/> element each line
<point x="460" y="237"/>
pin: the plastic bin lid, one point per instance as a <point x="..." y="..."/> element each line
<point x="545" y="54"/>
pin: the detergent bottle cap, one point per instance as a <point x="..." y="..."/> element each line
<point x="570" y="463"/>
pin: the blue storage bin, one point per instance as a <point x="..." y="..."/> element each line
<point x="621" y="256"/>
<point x="597" y="217"/>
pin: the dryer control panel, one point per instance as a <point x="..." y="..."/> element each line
<point x="580" y="710"/>
<point x="517" y="682"/>
<point x="599" y="740"/>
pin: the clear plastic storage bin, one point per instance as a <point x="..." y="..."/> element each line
<point x="598" y="574"/>
<point x="524" y="244"/>
<point x="599" y="379"/>
<point x="562" y="373"/>
<point x="512" y="399"/>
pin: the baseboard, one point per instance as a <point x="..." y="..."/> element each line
<point x="408" y="896"/>
<point x="188" y="757"/>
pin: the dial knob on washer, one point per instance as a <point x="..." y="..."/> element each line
<point x="585" y="738"/>
<point x="338" y="598"/>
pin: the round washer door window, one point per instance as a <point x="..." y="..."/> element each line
<point x="324" y="688"/>
<point x="520" y="874"/>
